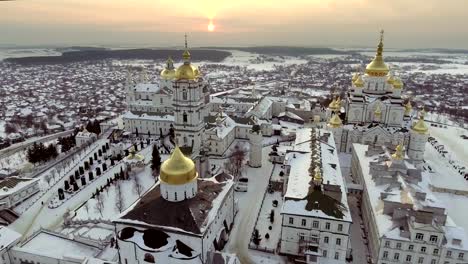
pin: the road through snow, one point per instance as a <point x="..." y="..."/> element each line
<point x="249" y="206"/>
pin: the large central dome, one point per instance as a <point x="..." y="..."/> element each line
<point x="178" y="169"/>
<point x="377" y="66"/>
<point x="187" y="71"/>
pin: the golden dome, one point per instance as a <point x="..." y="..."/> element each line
<point x="359" y="82"/>
<point x="397" y="84"/>
<point x="377" y="66"/>
<point x="167" y="74"/>
<point x="178" y="169"/>
<point x="390" y="79"/>
<point x="399" y="153"/>
<point x="335" y="121"/>
<point x="355" y="76"/>
<point x="408" y="108"/>
<point x="378" y="111"/>
<point x="317" y="175"/>
<point x="420" y="126"/>
<point x="187" y="72"/>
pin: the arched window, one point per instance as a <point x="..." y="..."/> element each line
<point x="185" y="117"/>
<point x="149" y="258"/>
<point x="175" y="196"/>
<point x="184" y="94"/>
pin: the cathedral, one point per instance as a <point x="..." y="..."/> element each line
<point x="374" y="113"/>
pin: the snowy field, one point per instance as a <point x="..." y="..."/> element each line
<point x="2" y="129"/>
<point x="244" y="59"/>
<point x="451" y="138"/>
<point x="456" y="207"/>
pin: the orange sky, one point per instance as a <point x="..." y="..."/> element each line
<point x="408" y="23"/>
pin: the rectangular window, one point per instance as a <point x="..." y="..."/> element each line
<point x="419" y="236"/>
<point x="303" y="222"/>
<point x="449" y="253"/>
<point x="410" y="247"/>
<point x="436" y="251"/>
<point x="433" y="239"/>
<point x="433" y="261"/>
<point x="421" y="260"/>
<point x="325" y="240"/>
<point x="396" y="256"/>
<point x="387" y="243"/>
<point x="337" y="255"/>
<point x="340" y="227"/>
<point x="398" y="245"/>
<point x="291" y="220"/>
<point x="385" y="255"/>
<point x="338" y="241"/>
<point x="315" y="224"/>
<point x="423" y="249"/>
<point x="325" y="253"/>
<point x="408" y="257"/>
<point x="327" y="225"/>
<point x="461" y="255"/>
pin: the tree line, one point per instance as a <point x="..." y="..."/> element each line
<point x="41" y="153"/>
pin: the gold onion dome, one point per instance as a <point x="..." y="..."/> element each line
<point x="169" y="72"/>
<point x="355" y="76"/>
<point x="399" y="154"/>
<point x="420" y="126"/>
<point x="377" y="66"/>
<point x="398" y="84"/>
<point x="178" y="169"/>
<point x="408" y="107"/>
<point x="378" y="111"/>
<point x="359" y="82"/>
<point x="390" y="79"/>
<point x="335" y="121"/>
<point x="317" y="175"/>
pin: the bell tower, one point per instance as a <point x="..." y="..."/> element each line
<point x="189" y="105"/>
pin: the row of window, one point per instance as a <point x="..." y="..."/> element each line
<point x="396" y="256"/>
<point x="315" y="239"/>
<point x="316" y="224"/>
<point x="325" y="254"/>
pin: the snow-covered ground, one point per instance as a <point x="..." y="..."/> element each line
<point x="2" y="129"/>
<point x="263" y="222"/>
<point x="451" y="138"/>
<point x="456" y="207"/>
<point x="89" y="210"/>
<point x="244" y="59"/>
<point x="249" y="206"/>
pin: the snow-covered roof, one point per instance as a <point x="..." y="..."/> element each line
<point x="160" y="117"/>
<point x="8" y="237"/>
<point x="13" y="184"/>
<point x="300" y="188"/>
<point x="147" y="87"/>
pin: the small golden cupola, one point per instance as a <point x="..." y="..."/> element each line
<point x="333" y="106"/>
<point x="399" y="153"/>
<point x="397" y="84"/>
<point x="390" y="79"/>
<point x="317" y="179"/>
<point x="408" y="108"/>
<point x="178" y="177"/>
<point x="187" y="71"/>
<point x="355" y="76"/>
<point x="377" y="67"/>
<point x="335" y="121"/>
<point x="378" y="111"/>
<point x="420" y="126"/>
<point x="359" y="82"/>
<point x="169" y="71"/>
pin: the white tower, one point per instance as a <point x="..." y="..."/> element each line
<point x="335" y="125"/>
<point x="418" y="137"/>
<point x="189" y="105"/>
<point x="255" y="140"/>
<point x="178" y="177"/>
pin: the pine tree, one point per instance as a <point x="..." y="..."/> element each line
<point x="256" y="237"/>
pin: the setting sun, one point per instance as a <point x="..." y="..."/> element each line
<point x="211" y="26"/>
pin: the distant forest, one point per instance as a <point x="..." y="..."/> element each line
<point x="286" y="51"/>
<point x="94" y="54"/>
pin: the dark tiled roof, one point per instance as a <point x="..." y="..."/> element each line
<point x="189" y="215"/>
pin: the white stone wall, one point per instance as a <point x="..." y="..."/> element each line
<point x="177" y="193"/>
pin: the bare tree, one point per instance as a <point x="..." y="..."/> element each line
<point x="99" y="207"/>
<point x="86" y="206"/>
<point x="48" y="178"/>
<point x="236" y="161"/>
<point x="119" y="202"/>
<point x="137" y="187"/>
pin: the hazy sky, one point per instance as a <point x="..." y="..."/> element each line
<point x="407" y="23"/>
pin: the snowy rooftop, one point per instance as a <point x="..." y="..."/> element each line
<point x="191" y="216"/>
<point x="147" y="87"/>
<point x="13" y="184"/>
<point x="300" y="190"/>
<point x="57" y="246"/>
<point x="8" y="236"/>
<point x="404" y="193"/>
<point x="161" y="117"/>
